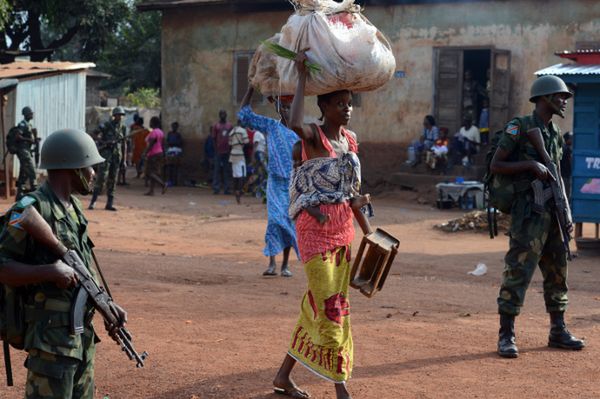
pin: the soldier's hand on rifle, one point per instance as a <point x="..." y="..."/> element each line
<point x="63" y="275"/>
<point x="121" y="316"/>
<point x="540" y="171"/>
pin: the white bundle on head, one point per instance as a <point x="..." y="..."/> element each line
<point x="351" y="52"/>
<point x="324" y="6"/>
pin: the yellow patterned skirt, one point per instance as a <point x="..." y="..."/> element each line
<point x="322" y="340"/>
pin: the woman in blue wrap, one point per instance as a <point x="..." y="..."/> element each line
<point x="281" y="233"/>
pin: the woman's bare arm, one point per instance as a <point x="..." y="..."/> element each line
<point x="297" y="110"/>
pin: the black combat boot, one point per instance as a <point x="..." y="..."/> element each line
<point x="559" y="336"/>
<point x="109" y="203"/>
<point x="506" y="337"/>
<point x="94" y="199"/>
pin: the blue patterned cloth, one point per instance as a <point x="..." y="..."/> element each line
<point x="281" y="232"/>
<point x="324" y="181"/>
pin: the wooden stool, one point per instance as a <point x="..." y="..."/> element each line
<point x="373" y="262"/>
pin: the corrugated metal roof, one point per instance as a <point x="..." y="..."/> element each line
<point x="4" y="83"/>
<point x="21" y="69"/>
<point x="570" y="69"/>
<point x="581" y="51"/>
<point x="97" y="74"/>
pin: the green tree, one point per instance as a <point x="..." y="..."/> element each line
<point x="132" y="56"/>
<point x="43" y="26"/>
<point x="144" y="97"/>
<point x="4" y="11"/>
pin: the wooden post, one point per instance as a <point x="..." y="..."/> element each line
<point x="578" y="230"/>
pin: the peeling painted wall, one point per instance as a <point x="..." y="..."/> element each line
<point x="198" y="50"/>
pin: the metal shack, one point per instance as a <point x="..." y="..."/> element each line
<point x="54" y="90"/>
<point x="584" y="75"/>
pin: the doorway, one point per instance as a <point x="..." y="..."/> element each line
<point x="467" y="79"/>
<point x="476" y="86"/>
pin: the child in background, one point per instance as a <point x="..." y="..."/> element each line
<point x="439" y="151"/>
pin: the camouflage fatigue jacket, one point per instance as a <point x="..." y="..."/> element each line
<point x="26" y="131"/>
<point x="111" y="135"/>
<point x="514" y="140"/>
<point x="47" y="309"/>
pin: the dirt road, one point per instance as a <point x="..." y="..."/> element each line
<point x="187" y="266"/>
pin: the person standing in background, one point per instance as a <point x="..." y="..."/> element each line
<point x="139" y="133"/>
<point x="238" y="138"/>
<point x="173" y="153"/>
<point x="154" y="156"/>
<point x="25" y="141"/>
<point x="222" y="171"/>
<point x="113" y="147"/>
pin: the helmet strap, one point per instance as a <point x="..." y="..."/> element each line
<point x="85" y="184"/>
<point x="554" y="107"/>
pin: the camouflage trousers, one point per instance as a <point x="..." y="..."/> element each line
<point x="26" y="169"/>
<point x="534" y="241"/>
<point x="107" y="171"/>
<point x="59" y="377"/>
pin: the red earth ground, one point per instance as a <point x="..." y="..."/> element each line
<point x="187" y="267"/>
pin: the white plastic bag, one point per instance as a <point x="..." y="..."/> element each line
<point x="479" y="270"/>
<point x="351" y="52"/>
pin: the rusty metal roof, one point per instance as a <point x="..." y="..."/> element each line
<point x="21" y="69"/>
<point x="570" y="69"/>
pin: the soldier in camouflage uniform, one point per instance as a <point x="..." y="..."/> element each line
<point x="25" y="140"/>
<point x="60" y="365"/>
<point x="112" y="146"/>
<point x="535" y="239"/>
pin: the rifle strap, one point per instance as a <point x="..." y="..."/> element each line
<point x="101" y="274"/>
<point x="7" y="364"/>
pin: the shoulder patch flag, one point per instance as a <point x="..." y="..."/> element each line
<point x="15" y="218"/>
<point x="513" y="130"/>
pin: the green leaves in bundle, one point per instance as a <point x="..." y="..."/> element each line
<point x="283" y="52"/>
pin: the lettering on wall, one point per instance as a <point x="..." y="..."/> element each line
<point x="593" y="162"/>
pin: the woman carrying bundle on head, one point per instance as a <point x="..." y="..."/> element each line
<point x="322" y="340"/>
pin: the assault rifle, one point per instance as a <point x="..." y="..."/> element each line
<point x="33" y="223"/>
<point x="562" y="210"/>
<point x="36" y="147"/>
<point x="102" y="144"/>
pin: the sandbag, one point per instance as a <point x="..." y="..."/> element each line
<point x="351" y="52"/>
<point x="262" y="73"/>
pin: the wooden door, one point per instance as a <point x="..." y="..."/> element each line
<point x="500" y="89"/>
<point x="448" y="84"/>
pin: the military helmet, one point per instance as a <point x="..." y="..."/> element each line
<point x="26" y="111"/>
<point x="547" y="85"/>
<point x="69" y="149"/>
<point x="118" y="111"/>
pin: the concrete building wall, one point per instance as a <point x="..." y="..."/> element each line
<point x="198" y="51"/>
